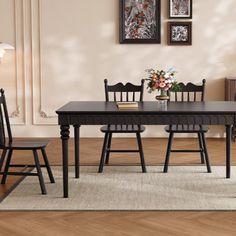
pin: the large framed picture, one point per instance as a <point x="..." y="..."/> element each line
<point x="140" y="21"/>
<point x="180" y="9"/>
<point x="180" y="33"/>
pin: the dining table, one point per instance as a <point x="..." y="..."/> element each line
<point x="79" y="113"/>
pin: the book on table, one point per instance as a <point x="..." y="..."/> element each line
<point x="127" y="105"/>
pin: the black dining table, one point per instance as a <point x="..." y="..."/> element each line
<point x="77" y="113"/>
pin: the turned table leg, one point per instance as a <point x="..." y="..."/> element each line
<point x="228" y="150"/>
<point x="65" y="135"/>
<point x="77" y="149"/>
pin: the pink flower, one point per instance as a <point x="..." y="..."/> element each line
<point x="162" y="85"/>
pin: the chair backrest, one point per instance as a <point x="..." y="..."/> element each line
<point x="189" y="92"/>
<point x="4" y="120"/>
<point x="124" y="93"/>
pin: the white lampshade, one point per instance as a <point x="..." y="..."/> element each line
<point x="2" y="52"/>
<point x="6" y="46"/>
<point x="3" y="47"/>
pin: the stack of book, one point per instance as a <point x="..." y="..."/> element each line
<point x="127" y="105"/>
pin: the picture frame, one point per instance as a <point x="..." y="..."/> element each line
<point x="180" y="33"/>
<point x="140" y="21"/>
<point x="180" y="9"/>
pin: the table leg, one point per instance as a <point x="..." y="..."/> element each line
<point x="228" y="149"/>
<point x="77" y="149"/>
<point x="65" y="135"/>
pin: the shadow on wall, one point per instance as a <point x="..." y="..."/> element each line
<point x="88" y="51"/>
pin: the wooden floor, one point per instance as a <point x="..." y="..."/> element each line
<point x="122" y="223"/>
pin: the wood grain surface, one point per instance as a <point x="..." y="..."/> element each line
<point x="176" y="223"/>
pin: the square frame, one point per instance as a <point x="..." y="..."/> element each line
<point x="180" y="40"/>
<point x="179" y="15"/>
<point x="137" y="20"/>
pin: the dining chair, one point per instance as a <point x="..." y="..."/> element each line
<point x="122" y="93"/>
<point x="8" y="145"/>
<point x="188" y="93"/>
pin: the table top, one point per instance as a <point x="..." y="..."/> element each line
<point x="100" y="107"/>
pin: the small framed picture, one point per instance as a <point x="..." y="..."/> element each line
<point x="180" y="9"/>
<point x="140" y="21"/>
<point x="180" y="33"/>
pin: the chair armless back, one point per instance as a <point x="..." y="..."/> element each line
<point x="124" y="93"/>
<point x="4" y="119"/>
<point x="190" y="92"/>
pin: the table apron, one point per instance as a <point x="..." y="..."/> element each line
<point x="159" y="119"/>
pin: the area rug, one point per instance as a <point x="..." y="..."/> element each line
<point x="126" y="188"/>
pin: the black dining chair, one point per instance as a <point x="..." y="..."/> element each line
<point x="122" y="93"/>
<point x="188" y="93"/>
<point x="8" y="145"/>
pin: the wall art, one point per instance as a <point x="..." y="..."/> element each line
<point x="180" y="9"/>
<point x="180" y="33"/>
<point x="140" y="21"/>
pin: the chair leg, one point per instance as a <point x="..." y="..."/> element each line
<point x="52" y="180"/>
<point x="108" y="147"/>
<point x="103" y="153"/>
<point x="39" y="171"/>
<point x="206" y="153"/>
<point x="4" y="152"/>
<point x="141" y="152"/>
<point x="168" y="151"/>
<point x="4" y="177"/>
<point x="201" y="148"/>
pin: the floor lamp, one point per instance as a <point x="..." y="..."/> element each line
<point x="3" y="48"/>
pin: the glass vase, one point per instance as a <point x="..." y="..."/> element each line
<point x="162" y="99"/>
<point x="162" y="96"/>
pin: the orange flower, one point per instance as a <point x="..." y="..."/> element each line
<point x="154" y="77"/>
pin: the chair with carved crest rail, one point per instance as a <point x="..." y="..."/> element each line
<point x="188" y="93"/>
<point x="8" y="145"/>
<point x="122" y="93"/>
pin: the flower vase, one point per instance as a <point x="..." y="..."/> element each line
<point x="163" y="96"/>
<point x="162" y="99"/>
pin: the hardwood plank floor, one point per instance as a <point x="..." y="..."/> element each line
<point x="118" y="223"/>
<point x="122" y="223"/>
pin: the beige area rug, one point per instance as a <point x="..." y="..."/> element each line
<point x="126" y="188"/>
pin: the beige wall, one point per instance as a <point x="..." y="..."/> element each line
<point x="65" y="48"/>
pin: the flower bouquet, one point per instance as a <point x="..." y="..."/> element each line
<point x="163" y="82"/>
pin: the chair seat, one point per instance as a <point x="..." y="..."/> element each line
<point x="122" y="128"/>
<point x="24" y="144"/>
<point x="186" y="128"/>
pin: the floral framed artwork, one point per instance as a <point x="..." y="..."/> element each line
<point x="180" y="33"/>
<point x="180" y="9"/>
<point x="140" y="21"/>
